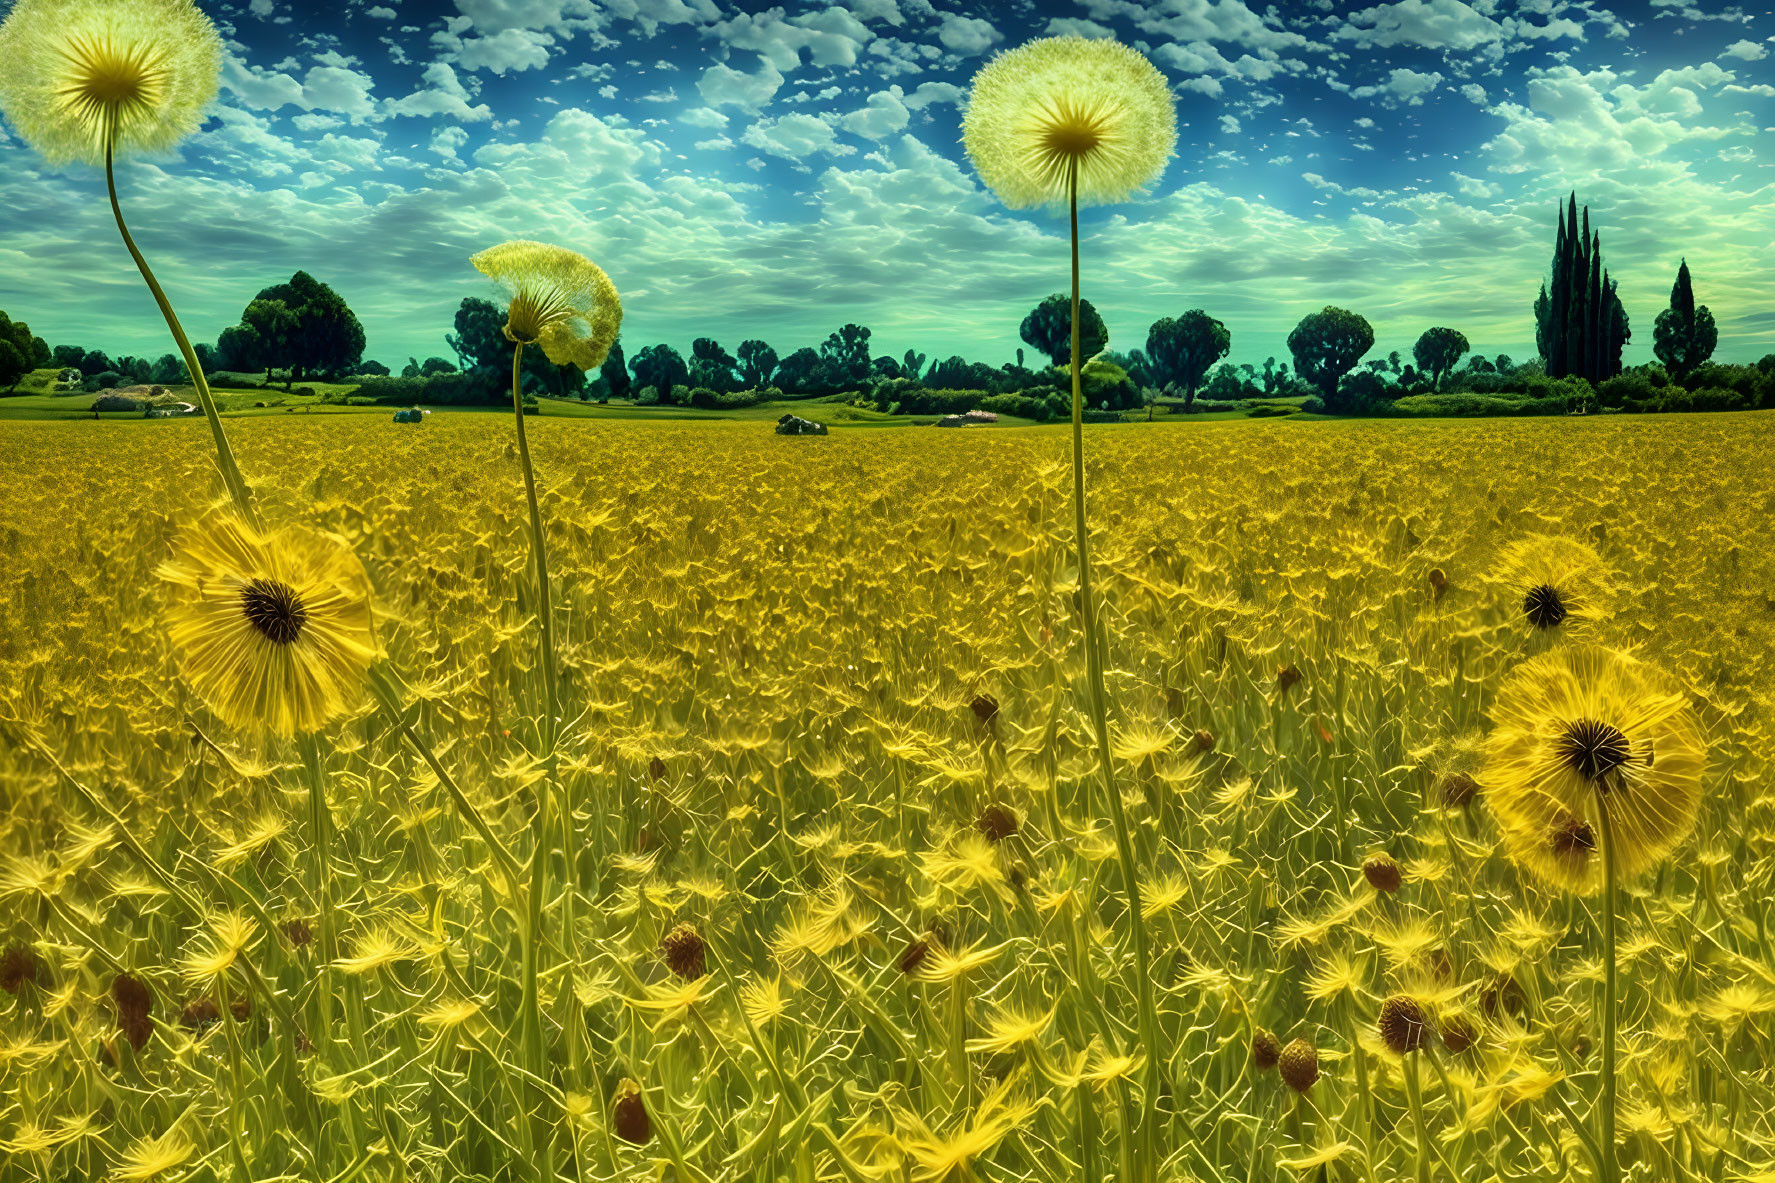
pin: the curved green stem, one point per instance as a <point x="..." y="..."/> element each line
<point x="237" y="486"/>
<point x="1605" y="1115"/>
<point x="1149" y="1019"/>
<point x="539" y="550"/>
<point x="1415" y="1094"/>
<point x="530" y="1033"/>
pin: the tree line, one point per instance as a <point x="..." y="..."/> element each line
<point x="303" y="330"/>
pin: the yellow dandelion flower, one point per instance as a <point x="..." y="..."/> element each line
<point x="273" y="630"/>
<point x="1318" y="1158"/>
<point x="1010" y="1027"/>
<point x="1585" y="735"/>
<point x="1061" y="107"/>
<point x="149" y="1157"/>
<point x="375" y="949"/>
<point x="941" y="1157"/>
<point x="560" y="300"/>
<point x="763" y="1000"/>
<point x="229" y="935"/>
<point x="1554" y="583"/>
<point x="945" y="966"/>
<point x="82" y="78"/>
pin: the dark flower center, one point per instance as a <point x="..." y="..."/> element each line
<point x="1544" y="607"/>
<point x="1593" y="749"/>
<point x="1574" y="838"/>
<point x="274" y="609"/>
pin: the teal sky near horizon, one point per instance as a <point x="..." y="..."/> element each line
<point x="751" y="171"/>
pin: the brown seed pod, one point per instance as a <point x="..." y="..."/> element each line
<point x="1382" y="873"/>
<point x="985" y="707"/>
<point x="997" y="822"/>
<point x="1203" y="741"/>
<point x="1458" y="790"/>
<point x="1287" y="678"/>
<point x="1266" y="1049"/>
<point x="299" y="932"/>
<point x="1402" y="1024"/>
<point x="134" y="1001"/>
<point x="1299" y="1065"/>
<point x="1438" y="582"/>
<point x="628" y="1114"/>
<point x="1458" y="1034"/>
<point x="914" y="955"/>
<point x="656" y="768"/>
<point x="17" y="966"/>
<point x="684" y="951"/>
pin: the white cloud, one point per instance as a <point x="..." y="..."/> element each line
<point x="795" y="137"/>
<point x="512" y="50"/>
<point x="1745" y="51"/>
<point x="380" y="13"/>
<point x="931" y="93"/>
<point x="445" y="95"/>
<point x="1474" y="93"/>
<point x="831" y="37"/>
<point x="1429" y="24"/>
<point x="704" y="117"/>
<point x="447" y="141"/>
<point x="338" y="89"/>
<point x="261" y="8"/>
<point x="1402" y="86"/>
<point x="966" y="35"/>
<point x="882" y="114"/>
<point x="722" y="85"/>
<point x="576" y="147"/>
<point x="1230" y="125"/>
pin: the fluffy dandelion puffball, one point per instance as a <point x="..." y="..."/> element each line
<point x="1039" y="109"/>
<point x="1554" y="584"/>
<point x="560" y="300"/>
<point x="274" y="631"/>
<point x="81" y="74"/>
<point x="1585" y="729"/>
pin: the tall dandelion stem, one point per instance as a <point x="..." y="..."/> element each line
<point x="237" y="486"/>
<point x="545" y="622"/>
<point x="1149" y="1019"/>
<point x="530" y="1034"/>
<point x="1610" y="1171"/>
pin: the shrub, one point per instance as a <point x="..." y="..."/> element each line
<point x="106" y="380"/>
<point x="1021" y="405"/>
<point x="1625" y="387"/>
<point x="116" y="402"/>
<point x="304" y="391"/>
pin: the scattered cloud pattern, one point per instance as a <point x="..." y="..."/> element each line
<point x="775" y="173"/>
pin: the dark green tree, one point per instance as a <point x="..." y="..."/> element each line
<point x="1327" y="345"/>
<point x="1685" y="334"/>
<point x="1438" y="351"/>
<point x="325" y="337"/>
<point x="1581" y="326"/>
<point x="803" y="371"/>
<point x="846" y="354"/>
<point x="19" y="352"/>
<point x="1048" y="329"/>
<point x="758" y="363"/>
<point x="615" y="371"/>
<point x="373" y="368"/>
<point x="479" y="340"/>
<point x="711" y="365"/>
<point x="661" y="367"/>
<point x="1181" y="349"/>
<point x="912" y="363"/>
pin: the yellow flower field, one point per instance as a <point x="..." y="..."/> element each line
<point x="831" y="891"/>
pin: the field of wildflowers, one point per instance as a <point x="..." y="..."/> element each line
<point x="831" y="889"/>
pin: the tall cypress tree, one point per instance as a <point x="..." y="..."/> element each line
<point x="1580" y="326"/>
<point x="1557" y="299"/>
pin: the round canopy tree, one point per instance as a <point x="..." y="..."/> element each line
<point x="1048" y="328"/>
<point x="1438" y="351"/>
<point x="1327" y="345"/>
<point x="1182" y="349"/>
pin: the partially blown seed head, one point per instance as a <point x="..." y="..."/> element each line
<point x="1060" y="106"/>
<point x="684" y="951"/>
<point x="1402" y="1024"/>
<point x="1266" y="1049"/>
<point x="1382" y="873"/>
<point x="1299" y="1065"/>
<point x="81" y="75"/>
<point x="628" y="1114"/>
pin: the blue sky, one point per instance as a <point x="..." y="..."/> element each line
<point x="774" y="171"/>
